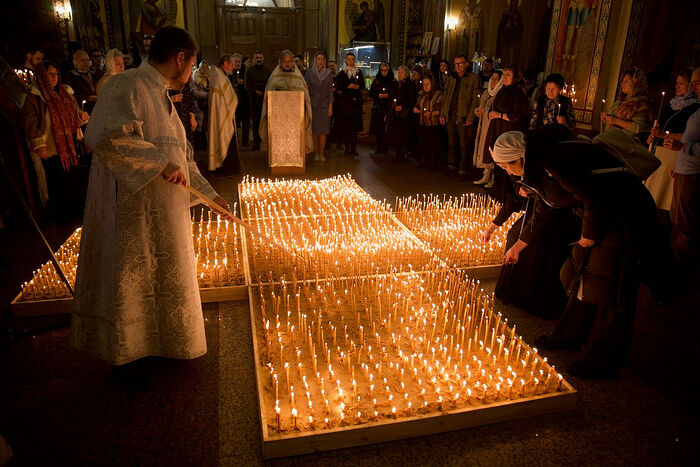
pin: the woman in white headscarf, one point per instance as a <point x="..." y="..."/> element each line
<point x="485" y="105"/>
<point x="114" y="64"/>
<point x="537" y="244"/>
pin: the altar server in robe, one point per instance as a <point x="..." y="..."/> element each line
<point x="287" y="77"/>
<point x="222" y="117"/>
<point x="136" y="289"/>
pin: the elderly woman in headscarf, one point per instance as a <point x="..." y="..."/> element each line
<point x="114" y="64"/>
<point x="427" y="114"/>
<point x="319" y="79"/>
<point x="631" y="111"/>
<point x="400" y="113"/>
<point x="380" y="91"/>
<point x="494" y="85"/>
<point x="619" y="242"/>
<point x="51" y="119"/>
<point x="537" y="244"/>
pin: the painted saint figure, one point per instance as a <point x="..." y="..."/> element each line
<point x="510" y="34"/>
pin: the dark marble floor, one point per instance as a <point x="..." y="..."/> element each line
<point x="60" y="407"/>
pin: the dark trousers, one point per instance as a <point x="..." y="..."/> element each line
<point x="243" y="117"/>
<point x="64" y="190"/>
<point x="256" y="103"/>
<point x="685" y="215"/>
<point x="460" y="136"/>
<point x="350" y="141"/>
<point x="429" y="139"/>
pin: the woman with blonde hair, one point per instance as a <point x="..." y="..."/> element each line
<point x="631" y="111"/>
<point x="114" y="64"/>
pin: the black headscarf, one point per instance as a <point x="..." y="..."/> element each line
<point x="389" y="78"/>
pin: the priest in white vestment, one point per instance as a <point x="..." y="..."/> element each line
<point x="136" y="288"/>
<point x="222" y="115"/>
<point x="287" y="77"/>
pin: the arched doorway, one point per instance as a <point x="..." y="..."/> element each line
<point x="245" y="26"/>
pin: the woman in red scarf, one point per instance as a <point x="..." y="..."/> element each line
<point x="52" y="120"/>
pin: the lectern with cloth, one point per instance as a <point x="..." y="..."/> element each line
<point x="286" y="132"/>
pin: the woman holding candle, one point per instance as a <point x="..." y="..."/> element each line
<point x="620" y="244"/>
<point x="349" y="85"/>
<point x="381" y="91"/>
<point x="631" y="111"/>
<point x="400" y="114"/>
<point x="427" y="111"/>
<point x="538" y="243"/>
<point x="553" y="107"/>
<point x="444" y="73"/>
<point x="508" y="113"/>
<point x="672" y="119"/>
<point x="51" y="120"/>
<point x="485" y="105"/>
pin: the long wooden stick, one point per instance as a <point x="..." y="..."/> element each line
<point x="59" y="270"/>
<point x="214" y="206"/>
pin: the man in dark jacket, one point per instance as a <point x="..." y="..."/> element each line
<point x="255" y="81"/>
<point x="82" y="81"/>
<point x="461" y="99"/>
<point x="237" y="78"/>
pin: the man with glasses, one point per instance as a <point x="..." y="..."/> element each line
<point x="461" y="98"/>
<point x="82" y="81"/>
<point x="97" y="66"/>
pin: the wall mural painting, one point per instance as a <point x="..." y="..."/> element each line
<point x="145" y="17"/>
<point x="470" y="28"/>
<point x="510" y="33"/>
<point x="364" y="21"/>
<point x="577" y="40"/>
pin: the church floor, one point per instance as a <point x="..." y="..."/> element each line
<point x="58" y="406"/>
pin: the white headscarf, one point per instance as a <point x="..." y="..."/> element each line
<point x="110" y="61"/>
<point x="509" y="147"/>
<point x="494" y="90"/>
<point x="201" y="75"/>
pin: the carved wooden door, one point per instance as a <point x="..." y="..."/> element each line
<point x="271" y="30"/>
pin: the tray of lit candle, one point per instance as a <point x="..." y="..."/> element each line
<point x="452" y="228"/>
<point x="218" y="255"/>
<point x="350" y="361"/>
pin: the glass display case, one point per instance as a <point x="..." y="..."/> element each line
<point x="368" y="56"/>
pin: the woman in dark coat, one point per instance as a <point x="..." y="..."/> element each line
<point x="381" y="91"/>
<point x="620" y="245"/>
<point x="349" y="85"/>
<point x="552" y="107"/>
<point x="509" y="112"/>
<point x="537" y="244"/>
<point x="400" y="114"/>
